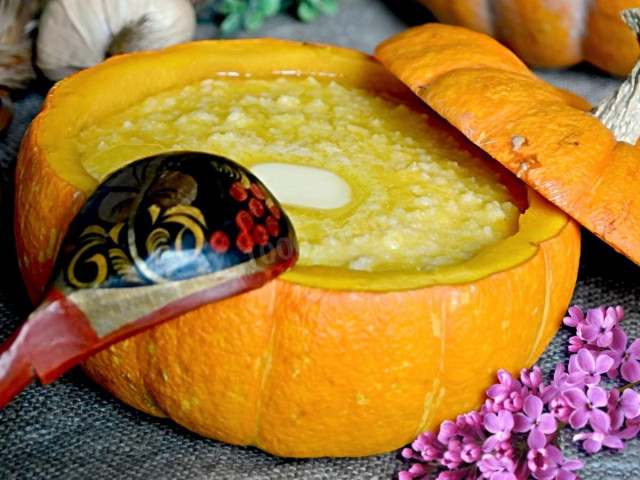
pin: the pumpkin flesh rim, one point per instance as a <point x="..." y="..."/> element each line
<point x="267" y="58"/>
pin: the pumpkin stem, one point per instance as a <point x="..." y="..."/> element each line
<point x="620" y="113"/>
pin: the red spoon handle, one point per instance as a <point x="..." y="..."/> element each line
<point x="53" y="339"/>
<point x="59" y="334"/>
<point x="16" y="371"/>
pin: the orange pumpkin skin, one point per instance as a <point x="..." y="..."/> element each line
<point x="559" y="33"/>
<point x="305" y="372"/>
<point x="565" y="154"/>
<point x="300" y="367"/>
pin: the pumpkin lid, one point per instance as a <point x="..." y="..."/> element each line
<point x="541" y="134"/>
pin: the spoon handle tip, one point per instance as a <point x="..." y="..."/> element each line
<point x="54" y="338"/>
<point x="16" y="372"/>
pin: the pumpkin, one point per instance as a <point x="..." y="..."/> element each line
<point x="550" y="34"/>
<point x="321" y="361"/>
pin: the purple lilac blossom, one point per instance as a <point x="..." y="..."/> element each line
<point x="622" y="406"/>
<point x="493" y="468"/>
<point x="532" y="420"/>
<point x="532" y="379"/>
<point x="557" y="386"/>
<point x="586" y="367"/>
<point x="505" y="395"/>
<point x="556" y="467"/>
<point x="586" y="407"/>
<point x="627" y="360"/>
<point x="597" y="327"/>
<point x="575" y="318"/>
<point x="500" y="424"/>
<point x="593" y="442"/>
<point x="490" y="444"/>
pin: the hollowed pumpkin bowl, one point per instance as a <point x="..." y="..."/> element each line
<point x="323" y="361"/>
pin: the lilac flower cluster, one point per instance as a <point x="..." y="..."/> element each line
<point x="514" y="434"/>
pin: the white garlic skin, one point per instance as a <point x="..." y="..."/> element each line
<point x="76" y="34"/>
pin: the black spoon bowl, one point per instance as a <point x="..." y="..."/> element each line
<point x="161" y="236"/>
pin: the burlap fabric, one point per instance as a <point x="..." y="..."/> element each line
<point x="74" y="430"/>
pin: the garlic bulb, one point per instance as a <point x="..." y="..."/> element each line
<point x="17" y="22"/>
<point x="76" y="34"/>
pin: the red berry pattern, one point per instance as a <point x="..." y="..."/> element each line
<point x="257" y="191"/>
<point x="256" y="207"/>
<point x="272" y="226"/>
<point x="260" y="234"/>
<point x="219" y="242"/>
<point x="238" y="192"/>
<point x="245" y="242"/>
<point x="253" y="230"/>
<point x="244" y="220"/>
<point x="275" y="211"/>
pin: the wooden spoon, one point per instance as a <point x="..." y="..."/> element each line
<point x="163" y="235"/>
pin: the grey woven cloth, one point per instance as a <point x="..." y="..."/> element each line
<point x="72" y="429"/>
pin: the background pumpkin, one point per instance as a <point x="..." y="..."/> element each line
<point x="351" y="370"/>
<point x="559" y="33"/>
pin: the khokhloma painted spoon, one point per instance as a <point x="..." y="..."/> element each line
<point x="161" y="236"/>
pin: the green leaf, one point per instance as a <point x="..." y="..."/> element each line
<point x="232" y="23"/>
<point x="250" y="14"/>
<point x="253" y="19"/>
<point x="269" y="7"/>
<point x="306" y="12"/>
<point x="330" y="7"/>
<point x="324" y="6"/>
<point x="233" y="6"/>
